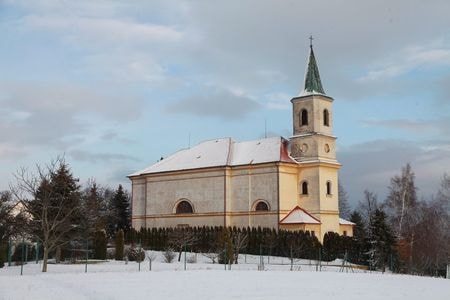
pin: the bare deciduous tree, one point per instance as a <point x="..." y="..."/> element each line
<point x="168" y="255"/>
<point x="212" y="254"/>
<point x="368" y="206"/>
<point x="50" y="198"/>
<point x="401" y="201"/>
<point x="180" y="239"/>
<point x="240" y="241"/>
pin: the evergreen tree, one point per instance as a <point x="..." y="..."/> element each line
<point x="93" y="208"/>
<point x="382" y="241"/>
<point x="331" y="246"/>
<point x="121" y="209"/>
<point x="100" y="245"/>
<point x="3" y="254"/>
<point x="120" y="245"/>
<point x="358" y="252"/>
<point x="10" y="225"/>
<point x="225" y="246"/>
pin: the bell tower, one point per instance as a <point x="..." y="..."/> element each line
<point x="313" y="146"/>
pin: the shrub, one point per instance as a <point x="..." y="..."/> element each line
<point x="120" y="245"/>
<point x="111" y="253"/>
<point x="169" y="255"/>
<point x="192" y="259"/>
<point x="135" y="254"/>
<point x="3" y="255"/>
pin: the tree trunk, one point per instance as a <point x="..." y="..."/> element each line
<point x="179" y="254"/>
<point x="45" y="259"/>
<point x="402" y="213"/>
<point x="58" y="255"/>
<point x="411" y="246"/>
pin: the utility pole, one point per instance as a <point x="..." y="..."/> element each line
<point x="23" y="254"/>
<point x="184" y="246"/>
<point x="9" y="252"/>
<point x="37" y="252"/>
<point x="139" y="255"/>
<point x="225" y="257"/>
<point x="87" y="255"/>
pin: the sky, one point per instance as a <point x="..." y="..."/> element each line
<point x="113" y="86"/>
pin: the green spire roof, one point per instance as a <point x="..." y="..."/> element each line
<point x="312" y="77"/>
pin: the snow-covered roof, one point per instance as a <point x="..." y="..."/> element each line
<point x="299" y="216"/>
<point x="345" y="222"/>
<point x="309" y="93"/>
<point x="223" y="152"/>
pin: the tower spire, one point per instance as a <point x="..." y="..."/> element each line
<point x="313" y="85"/>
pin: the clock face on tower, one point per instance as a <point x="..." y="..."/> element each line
<point x="304" y="148"/>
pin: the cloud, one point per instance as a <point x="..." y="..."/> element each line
<point x="278" y="101"/>
<point x="101" y="32"/>
<point x="409" y="59"/>
<point x="8" y="151"/>
<point x="28" y="98"/>
<point x="216" y="103"/>
<point x="90" y="157"/>
<point x="371" y="165"/>
<point x="111" y="47"/>
<point x="413" y="126"/>
<point x="57" y="115"/>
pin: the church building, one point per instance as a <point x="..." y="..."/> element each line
<point x="272" y="182"/>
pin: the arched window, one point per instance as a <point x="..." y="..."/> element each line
<point x="184" y="207"/>
<point x="303" y="117"/>
<point x="328" y="187"/>
<point x="326" y="117"/>
<point x="304" y="188"/>
<point x="261" y="206"/>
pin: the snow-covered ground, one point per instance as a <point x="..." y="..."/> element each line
<point x="204" y="280"/>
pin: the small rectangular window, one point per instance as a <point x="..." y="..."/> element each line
<point x="345" y="233"/>
<point x="328" y="188"/>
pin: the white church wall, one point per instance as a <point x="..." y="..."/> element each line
<point x="204" y="189"/>
<point x="253" y="183"/>
<point x="138" y="202"/>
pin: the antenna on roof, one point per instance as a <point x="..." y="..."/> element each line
<point x="265" y="128"/>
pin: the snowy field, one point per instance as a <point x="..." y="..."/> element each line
<point x="204" y="280"/>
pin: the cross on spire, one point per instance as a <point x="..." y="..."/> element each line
<point x="310" y="40"/>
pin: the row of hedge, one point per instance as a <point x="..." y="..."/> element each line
<point x="265" y="241"/>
